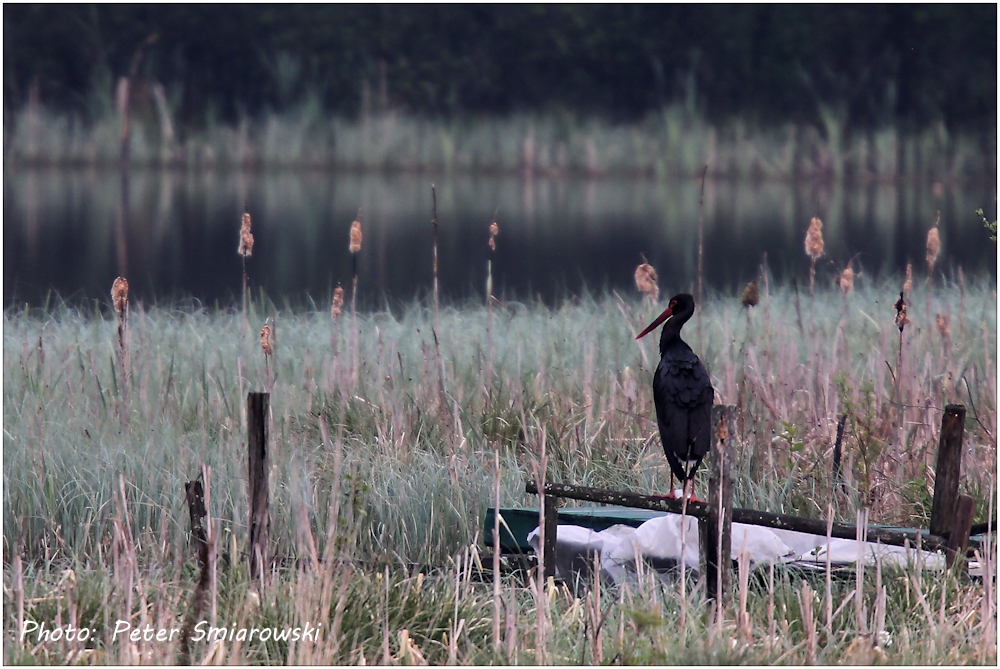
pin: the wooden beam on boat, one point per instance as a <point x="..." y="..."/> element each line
<point x="778" y="521"/>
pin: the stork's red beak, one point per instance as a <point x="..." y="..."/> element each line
<point x="667" y="313"/>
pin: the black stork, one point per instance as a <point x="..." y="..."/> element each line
<point x="683" y="394"/>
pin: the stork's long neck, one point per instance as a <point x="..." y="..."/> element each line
<point x="671" y="333"/>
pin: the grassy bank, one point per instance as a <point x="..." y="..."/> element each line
<point x="385" y="429"/>
<point x="672" y="142"/>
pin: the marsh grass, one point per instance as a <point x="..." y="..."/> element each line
<point x="385" y="460"/>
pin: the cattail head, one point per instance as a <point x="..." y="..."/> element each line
<point x="246" y="238"/>
<point x="265" y="340"/>
<point x="119" y="295"/>
<point x="908" y="284"/>
<point x="338" y="301"/>
<point x="846" y="279"/>
<point x="750" y="296"/>
<point x="494" y="231"/>
<point x="814" y="239"/>
<point x="943" y="326"/>
<point x="933" y="247"/>
<point x="645" y="280"/>
<point x="355" y="236"/>
<point x="901" y="319"/>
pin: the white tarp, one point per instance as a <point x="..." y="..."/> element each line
<point x="659" y="541"/>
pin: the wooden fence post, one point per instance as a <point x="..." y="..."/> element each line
<point x="551" y="503"/>
<point x="958" y="540"/>
<point x="194" y="492"/>
<point x="948" y="470"/>
<point x="257" y="409"/>
<point x="715" y="531"/>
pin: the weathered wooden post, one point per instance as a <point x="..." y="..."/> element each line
<point x="715" y="530"/>
<point x="551" y="513"/>
<point x="257" y="409"/>
<point x="194" y="491"/>
<point x="961" y="525"/>
<point x="948" y="470"/>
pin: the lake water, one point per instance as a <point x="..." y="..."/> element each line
<point x="175" y="235"/>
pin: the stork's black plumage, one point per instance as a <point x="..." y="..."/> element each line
<point x="682" y="392"/>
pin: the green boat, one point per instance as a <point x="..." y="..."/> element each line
<point x="515" y="524"/>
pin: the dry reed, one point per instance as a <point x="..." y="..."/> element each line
<point x="119" y="296"/>
<point x="933" y="246"/>
<point x="355" y="248"/>
<point x="701" y="241"/>
<point x="266" y="345"/>
<point x="933" y="249"/>
<point x="814" y="249"/>
<point x="846" y="280"/>
<point x="356" y="235"/>
<point x="119" y="299"/>
<point x="245" y="250"/>
<point x="751" y="296"/>
<point x="338" y="302"/>
<point x="901" y="320"/>
<point x="943" y="325"/>
<point x="265" y="340"/>
<point x="434" y="225"/>
<point x="494" y="231"/>
<point x="646" y="280"/>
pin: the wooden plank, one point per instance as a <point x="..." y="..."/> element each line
<point x="958" y="540"/>
<point x="948" y="470"/>
<point x="618" y="498"/>
<point x="257" y="409"/>
<point x="983" y="528"/>
<point x="715" y="530"/>
<point x="780" y="521"/>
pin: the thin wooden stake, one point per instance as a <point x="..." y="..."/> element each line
<point x="257" y="410"/>
<point x="549" y="544"/>
<point x="496" y="550"/>
<point x="715" y="531"/>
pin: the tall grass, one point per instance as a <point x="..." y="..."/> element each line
<point x="669" y="143"/>
<point x="384" y="458"/>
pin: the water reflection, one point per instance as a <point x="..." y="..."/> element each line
<point x="177" y="233"/>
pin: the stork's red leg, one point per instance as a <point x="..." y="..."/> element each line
<point x="692" y="498"/>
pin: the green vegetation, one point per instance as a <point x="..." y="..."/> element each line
<point x="668" y="143"/>
<point x="755" y="90"/>
<point x="384" y="435"/>
<point x="991" y="226"/>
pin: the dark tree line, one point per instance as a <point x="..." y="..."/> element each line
<point x="909" y="65"/>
